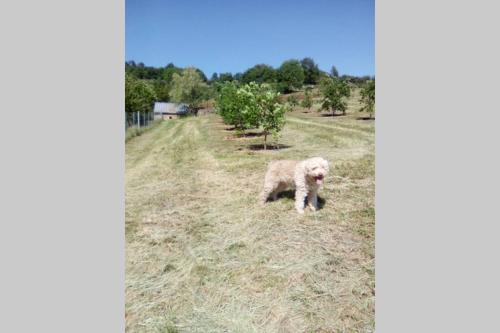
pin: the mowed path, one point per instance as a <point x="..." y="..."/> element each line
<point x="203" y="256"/>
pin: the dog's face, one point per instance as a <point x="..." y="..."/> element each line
<point x="317" y="168"/>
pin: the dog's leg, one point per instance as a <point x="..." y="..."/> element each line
<point x="280" y="188"/>
<point x="300" y="197"/>
<point x="268" y="189"/>
<point x="312" y="200"/>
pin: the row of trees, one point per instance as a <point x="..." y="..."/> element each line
<point x="141" y="71"/>
<point x="368" y="97"/>
<point x="257" y="105"/>
<point x="252" y="105"/>
<point x="145" y="85"/>
<point x="161" y="79"/>
<point x="335" y="91"/>
<point x="187" y="86"/>
<point x="334" y="94"/>
<point x="290" y="76"/>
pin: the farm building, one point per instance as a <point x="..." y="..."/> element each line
<point x="163" y="110"/>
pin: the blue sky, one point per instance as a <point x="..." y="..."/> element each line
<point x="231" y="36"/>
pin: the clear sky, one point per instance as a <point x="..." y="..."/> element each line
<point x="233" y="35"/>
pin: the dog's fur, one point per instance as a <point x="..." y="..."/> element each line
<point x="306" y="177"/>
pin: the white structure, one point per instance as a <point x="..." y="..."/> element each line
<point x="163" y="110"/>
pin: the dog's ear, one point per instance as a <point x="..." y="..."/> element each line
<point x="326" y="164"/>
<point x="307" y="167"/>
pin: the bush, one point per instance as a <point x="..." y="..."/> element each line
<point x="139" y="95"/>
<point x="271" y="112"/>
<point x="228" y="105"/>
<point x="251" y="106"/>
<point x="189" y="87"/>
<point x="260" y="74"/>
<point x="334" y="91"/>
<point x="368" y="97"/>
<point x="307" y="102"/>
<point x="292" y="100"/>
<point x="290" y="76"/>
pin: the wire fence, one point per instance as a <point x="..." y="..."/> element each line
<point x="138" y="119"/>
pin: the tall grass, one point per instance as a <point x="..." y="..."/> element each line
<point x="133" y="131"/>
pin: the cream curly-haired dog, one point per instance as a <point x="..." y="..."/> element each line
<point x="306" y="177"/>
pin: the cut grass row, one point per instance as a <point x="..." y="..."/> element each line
<point x="203" y="256"/>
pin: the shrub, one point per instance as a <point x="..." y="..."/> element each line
<point x="272" y="112"/>
<point x="260" y="74"/>
<point x="291" y="76"/>
<point x="228" y="105"/>
<point x="334" y="91"/>
<point x="139" y="95"/>
<point x="307" y="102"/>
<point x="368" y="97"/>
<point x="251" y="106"/>
<point x="189" y="87"/>
<point x="292" y="100"/>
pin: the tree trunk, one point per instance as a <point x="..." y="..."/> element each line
<point x="138" y="120"/>
<point x="265" y="140"/>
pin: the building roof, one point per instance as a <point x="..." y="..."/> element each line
<point x="170" y="108"/>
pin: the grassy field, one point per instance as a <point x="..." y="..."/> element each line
<point x="203" y="256"/>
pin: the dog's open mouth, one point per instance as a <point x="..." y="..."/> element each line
<point x="319" y="179"/>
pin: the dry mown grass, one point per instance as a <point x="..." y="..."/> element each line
<point x="202" y="256"/>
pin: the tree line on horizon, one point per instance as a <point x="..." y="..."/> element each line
<point x="292" y="75"/>
<point x="145" y="85"/>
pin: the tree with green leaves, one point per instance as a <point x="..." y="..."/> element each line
<point x="335" y="92"/>
<point x="162" y="90"/>
<point x="368" y="97"/>
<point x="292" y="100"/>
<point x="226" y="77"/>
<point x="251" y="106"/>
<point x="227" y="105"/>
<point x="311" y="71"/>
<point x="169" y="71"/>
<point x="334" y="72"/>
<point x="307" y="102"/>
<point x="237" y="106"/>
<point x="139" y="96"/>
<point x="260" y="74"/>
<point x="290" y="76"/>
<point x="202" y="75"/>
<point x="250" y="110"/>
<point x="271" y="111"/>
<point x="189" y="88"/>
<point x="238" y="77"/>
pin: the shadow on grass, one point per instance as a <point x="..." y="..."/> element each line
<point x="334" y="115"/>
<point x="365" y="118"/>
<point x="269" y="146"/>
<point x="249" y="135"/>
<point x="290" y="194"/>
